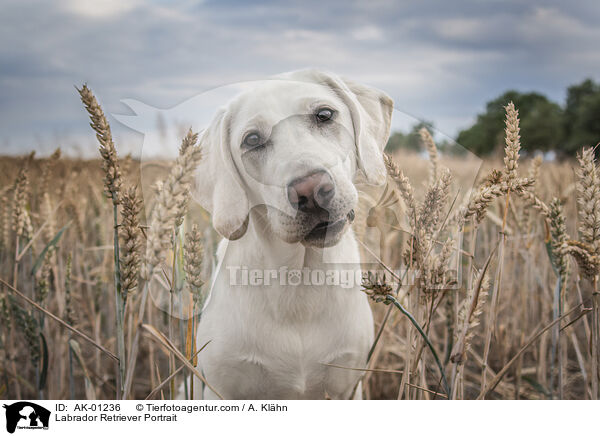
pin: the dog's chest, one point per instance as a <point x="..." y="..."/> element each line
<point x="294" y="362"/>
<point x="288" y="353"/>
<point x="279" y="341"/>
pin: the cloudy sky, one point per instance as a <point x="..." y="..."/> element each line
<point x="439" y="60"/>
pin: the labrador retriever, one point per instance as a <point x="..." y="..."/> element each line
<point x="278" y="176"/>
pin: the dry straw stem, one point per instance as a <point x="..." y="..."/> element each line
<point x="468" y="319"/>
<point x="69" y="311"/>
<point x="170" y="195"/>
<point x="112" y="183"/>
<point x="112" y="180"/>
<point x="131" y="239"/>
<point x="558" y="231"/>
<point x="494" y="382"/>
<point x="510" y="183"/>
<point x="388" y="371"/>
<point x="168" y="347"/>
<point x="166" y="381"/>
<point x="57" y="319"/>
<point x="588" y="199"/>
<point x="559" y="237"/>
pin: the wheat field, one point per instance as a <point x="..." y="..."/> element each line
<point x="488" y="293"/>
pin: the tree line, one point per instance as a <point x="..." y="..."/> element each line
<point x="545" y="125"/>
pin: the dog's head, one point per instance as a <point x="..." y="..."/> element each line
<point x="294" y="144"/>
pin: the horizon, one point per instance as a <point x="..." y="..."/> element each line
<point x="440" y="64"/>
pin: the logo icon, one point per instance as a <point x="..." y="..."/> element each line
<point x="26" y="415"/>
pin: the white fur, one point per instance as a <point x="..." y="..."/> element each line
<point x="275" y="341"/>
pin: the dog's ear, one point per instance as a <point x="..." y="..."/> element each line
<point x="218" y="186"/>
<point x="371" y="111"/>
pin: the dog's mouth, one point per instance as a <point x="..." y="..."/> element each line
<point x="327" y="232"/>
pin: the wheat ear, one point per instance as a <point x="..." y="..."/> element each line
<point x="513" y="142"/>
<point x="110" y="165"/>
<point x="432" y="151"/>
<point x="172" y="197"/>
<point x="131" y="237"/>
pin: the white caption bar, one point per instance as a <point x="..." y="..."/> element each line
<point x="295" y="417"/>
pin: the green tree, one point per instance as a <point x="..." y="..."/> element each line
<point x="395" y="141"/>
<point x="408" y="141"/>
<point x="582" y="116"/>
<point x="542" y="125"/>
<point x="412" y="141"/>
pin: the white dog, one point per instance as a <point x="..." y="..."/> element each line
<point x="278" y="173"/>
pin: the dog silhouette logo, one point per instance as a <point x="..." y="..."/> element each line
<point x="26" y="415"/>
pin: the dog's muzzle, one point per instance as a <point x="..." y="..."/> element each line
<point x="311" y="193"/>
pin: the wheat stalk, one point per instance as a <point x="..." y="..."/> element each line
<point x="171" y="201"/>
<point x="588" y="199"/>
<point x="112" y="184"/>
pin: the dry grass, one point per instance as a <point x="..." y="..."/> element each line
<point x="495" y="278"/>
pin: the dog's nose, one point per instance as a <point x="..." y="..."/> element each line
<point x="311" y="192"/>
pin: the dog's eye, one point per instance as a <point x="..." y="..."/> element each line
<point x="251" y="140"/>
<point x="324" y="114"/>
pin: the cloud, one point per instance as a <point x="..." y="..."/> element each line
<point x="440" y="61"/>
<point x="368" y="33"/>
<point x="99" y="9"/>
